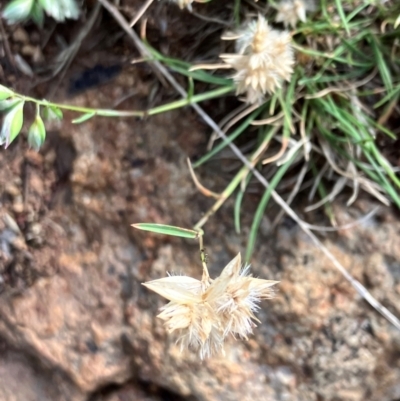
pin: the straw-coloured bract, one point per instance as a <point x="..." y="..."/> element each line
<point x="205" y="312"/>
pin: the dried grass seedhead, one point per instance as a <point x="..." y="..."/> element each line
<point x="187" y="3"/>
<point x="184" y="3"/>
<point x="204" y="313"/>
<point x="290" y="12"/>
<point x="263" y="59"/>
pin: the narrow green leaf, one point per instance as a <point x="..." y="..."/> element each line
<point x="190" y="88"/>
<point x="236" y="12"/>
<point x="17" y="10"/>
<point x="51" y="113"/>
<point x="60" y="10"/>
<point x="388" y="97"/>
<point x="342" y="15"/>
<point x="37" y="14"/>
<point x="231" y="137"/>
<point x="12" y="124"/>
<point x="238" y="202"/>
<point x="168" y="230"/>
<point x="384" y="70"/>
<point x="183" y="68"/>
<point x="7" y="104"/>
<point x="328" y="210"/>
<point x="263" y="204"/>
<point x="84" y="117"/>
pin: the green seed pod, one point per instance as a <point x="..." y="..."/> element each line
<point x="37" y="133"/>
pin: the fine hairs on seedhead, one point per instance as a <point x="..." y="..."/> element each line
<point x="263" y="59"/>
<point x="205" y="312"/>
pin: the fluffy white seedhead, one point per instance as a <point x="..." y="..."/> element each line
<point x="290" y="12"/>
<point x="187" y="3"/>
<point x="263" y="59"/>
<point x="236" y="296"/>
<point x="203" y="314"/>
<point x="184" y="3"/>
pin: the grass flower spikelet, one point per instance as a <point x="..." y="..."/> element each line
<point x="204" y="313"/>
<point x="290" y="12"/>
<point x="263" y="59"/>
<point x="187" y="3"/>
<point x="184" y="3"/>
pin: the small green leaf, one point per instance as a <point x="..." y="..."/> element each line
<point x="12" y="124"/>
<point x="5" y="93"/>
<point x="168" y="230"/>
<point x="84" y="117"/>
<point x="37" y="14"/>
<point x="397" y="22"/>
<point x="7" y="104"/>
<point x="37" y="133"/>
<point x="60" y="10"/>
<point x="51" y="113"/>
<point x="17" y="10"/>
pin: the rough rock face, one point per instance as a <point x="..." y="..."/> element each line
<point x="74" y="318"/>
<point x="21" y="378"/>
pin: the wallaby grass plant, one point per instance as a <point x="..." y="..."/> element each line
<point x="316" y="133"/>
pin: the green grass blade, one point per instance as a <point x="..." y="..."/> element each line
<point x="168" y="230"/>
<point x="245" y="124"/>
<point x="263" y="204"/>
<point x="383" y="68"/>
<point x="236" y="12"/>
<point x="322" y="192"/>
<point x="392" y="95"/>
<point x="342" y="16"/>
<point x="238" y="203"/>
<point x="183" y="68"/>
<point x="384" y="183"/>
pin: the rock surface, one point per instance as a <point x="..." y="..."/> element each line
<point x="75" y="320"/>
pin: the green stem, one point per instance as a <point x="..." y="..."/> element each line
<point x="134" y="113"/>
<point x="194" y="99"/>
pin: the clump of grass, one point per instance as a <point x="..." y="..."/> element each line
<point x="319" y="129"/>
<point x="318" y="132"/>
<point x="326" y="121"/>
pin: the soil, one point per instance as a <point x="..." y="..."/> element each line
<point x="75" y="322"/>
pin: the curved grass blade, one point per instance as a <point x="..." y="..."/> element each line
<point x="183" y="68"/>
<point x="267" y="136"/>
<point x="263" y="204"/>
<point x="238" y="203"/>
<point x="169" y="230"/>
<point x="342" y="16"/>
<point x="83" y="118"/>
<point x="383" y="68"/>
<point x="231" y="137"/>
